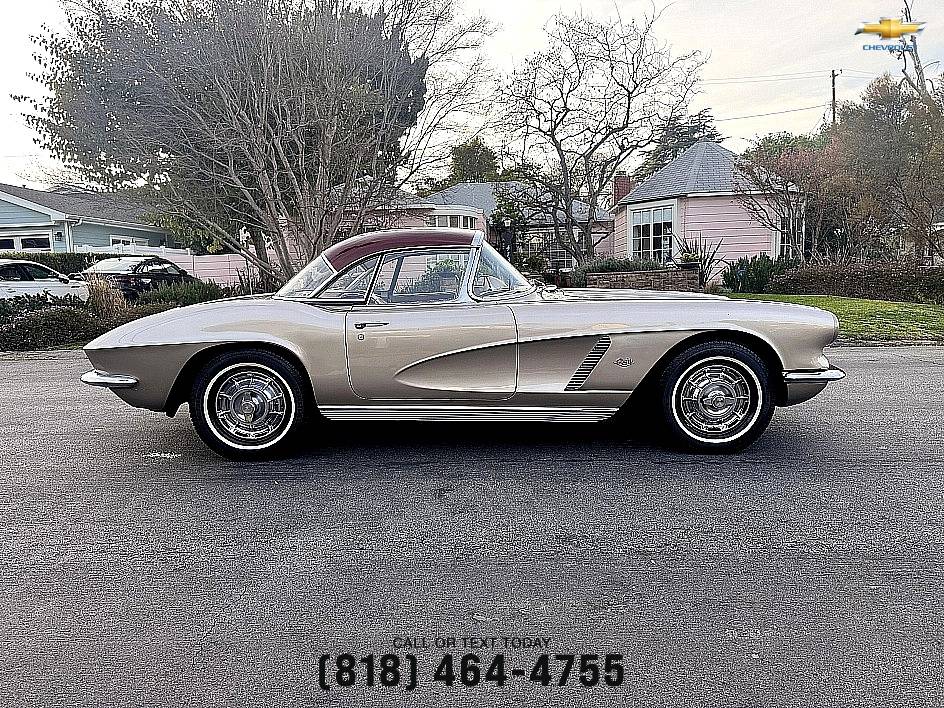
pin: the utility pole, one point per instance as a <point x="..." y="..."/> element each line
<point x="834" y="74"/>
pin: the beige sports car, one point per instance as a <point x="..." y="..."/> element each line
<point x="434" y="325"/>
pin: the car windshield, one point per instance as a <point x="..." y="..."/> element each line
<point x="310" y="280"/>
<point x="114" y="265"/>
<point x="495" y="276"/>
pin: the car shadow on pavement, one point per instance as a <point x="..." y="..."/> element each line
<point x="624" y="445"/>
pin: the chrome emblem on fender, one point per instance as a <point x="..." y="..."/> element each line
<point x="624" y="362"/>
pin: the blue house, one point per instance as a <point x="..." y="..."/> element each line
<point x="60" y="220"/>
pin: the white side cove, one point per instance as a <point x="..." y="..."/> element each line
<point x="429" y="413"/>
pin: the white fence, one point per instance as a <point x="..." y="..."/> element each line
<point x="223" y="268"/>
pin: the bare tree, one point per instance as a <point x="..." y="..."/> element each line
<point x="287" y="121"/>
<point x="914" y="71"/>
<point x="769" y="189"/>
<point x="580" y="110"/>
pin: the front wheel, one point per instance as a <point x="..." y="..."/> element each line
<point x="248" y="404"/>
<point x="716" y="397"/>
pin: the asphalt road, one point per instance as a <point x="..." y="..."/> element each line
<point x="137" y="568"/>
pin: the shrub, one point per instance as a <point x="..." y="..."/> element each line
<point x="705" y="254"/>
<point x="611" y="265"/>
<point x="65" y="263"/>
<point x="11" y="307"/>
<point x="753" y="275"/>
<point x="902" y="281"/>
<point x="139" y="311"/>
<point x="52" y="326"/>
<point x="181" y="294"/>
<point x="105" y="301"/>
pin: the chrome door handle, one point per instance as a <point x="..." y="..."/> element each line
<point x="361" y="325"/>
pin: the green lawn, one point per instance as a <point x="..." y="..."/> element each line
<point x="875" y="320"/>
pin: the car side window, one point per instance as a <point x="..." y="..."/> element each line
<point x="152" y="268"/>
<point x="38" y="272"/>
<point x="11" y="273"/>
<point x="420" y="277"/>
<point x="353" y="283"/>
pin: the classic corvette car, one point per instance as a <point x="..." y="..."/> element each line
<point x="434" y="325"/>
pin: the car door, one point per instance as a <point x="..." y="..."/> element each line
<point x="419" y="337"/>
<point x="42" y="280"/>
<point x="13" y="281"/>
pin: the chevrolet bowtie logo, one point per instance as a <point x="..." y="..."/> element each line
<point x="887" y="28"/>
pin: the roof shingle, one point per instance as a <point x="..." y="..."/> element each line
<point x="92" y="205"/>
<point x="704" y="167"/>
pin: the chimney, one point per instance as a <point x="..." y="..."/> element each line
<point x="622" y="185"/>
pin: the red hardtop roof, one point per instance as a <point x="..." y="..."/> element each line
<point x="342" y="254"/>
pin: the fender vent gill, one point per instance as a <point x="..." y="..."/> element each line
<point x="590" y="361"/>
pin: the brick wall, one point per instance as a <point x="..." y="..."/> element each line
<point x="669" y="279"/>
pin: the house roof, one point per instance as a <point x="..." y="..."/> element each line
<point x="103" y="206"/>
<point x="481" y="195"/>
<point x="704" y="167"/>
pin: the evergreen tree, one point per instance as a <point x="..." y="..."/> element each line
<point x="677" y="135"/>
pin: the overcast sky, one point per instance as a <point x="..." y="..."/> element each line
<point x="750" y="44"/>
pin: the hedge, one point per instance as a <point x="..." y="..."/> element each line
<point x="65" y="263"/>
<point x="182" y="294"/>
<point x="612" y="265"/>
<point x="753" y="275"/>
<point x="50" y="327"/>
<point x="60" y="325"/>
<point x="896" y="281"/>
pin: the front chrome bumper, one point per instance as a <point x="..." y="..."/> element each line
<point x="800" y="386"/>
<point x="103" y="378"/>
<point x="830" y="374"/>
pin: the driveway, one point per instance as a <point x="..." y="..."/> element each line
<point x="136" y="568"/>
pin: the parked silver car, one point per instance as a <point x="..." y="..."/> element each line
<point x="433" y="324"/>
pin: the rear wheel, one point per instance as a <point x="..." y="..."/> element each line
<point x="716" y="397"/>
<point x="248" y="404"/>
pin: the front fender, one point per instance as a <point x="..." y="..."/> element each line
<point x="156" y="349"/>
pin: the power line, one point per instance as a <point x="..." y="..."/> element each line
<point x="718" y="82"/>
<point x="767" y="76"/>
<point x="773" y="113"/>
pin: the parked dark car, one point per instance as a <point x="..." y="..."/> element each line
<point x="135" y="274"/>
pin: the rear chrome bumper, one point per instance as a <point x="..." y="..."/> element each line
<point x="103" y="378"/>
<point x="803" y="385"/>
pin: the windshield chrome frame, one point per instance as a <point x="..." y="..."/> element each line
<point x="508" y="295"/>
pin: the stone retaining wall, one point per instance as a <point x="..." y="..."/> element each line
<point x="668" y="279"/>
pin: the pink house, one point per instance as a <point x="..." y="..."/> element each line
<point x="693" y="197"/>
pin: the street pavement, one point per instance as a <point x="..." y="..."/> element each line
<point x="137" y="568"/>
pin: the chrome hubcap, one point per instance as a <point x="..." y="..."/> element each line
<point x="250" y="405"/>
<point x="714" y="400"/>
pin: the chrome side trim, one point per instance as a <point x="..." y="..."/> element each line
<point x="830" y="374"/>
<point x="103" y="378"/>
<point x="589" y="363"/>
<point x="432" y="413"/>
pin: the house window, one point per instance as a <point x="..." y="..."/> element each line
<point x="452" y="221"/>
<point x="652" y="234"/>
<point x="25" y="243"/>
<point x="790" y="238"/>
<point x="545" y="245"/>
<point x="126" y="241"/>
